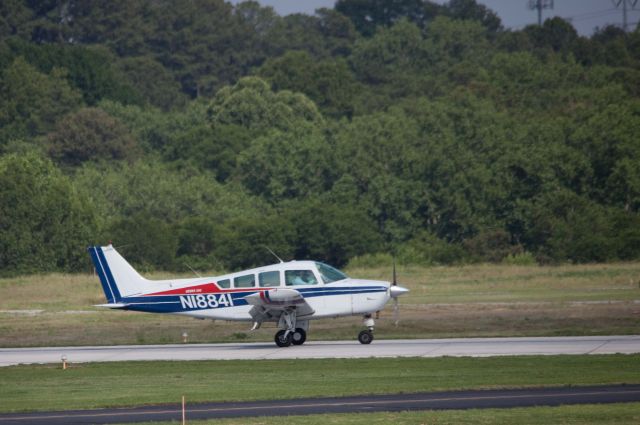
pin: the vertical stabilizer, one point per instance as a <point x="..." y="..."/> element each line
<point x="117" y="277"/>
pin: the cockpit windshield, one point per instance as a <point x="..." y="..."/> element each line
<point x="330" y="274"/>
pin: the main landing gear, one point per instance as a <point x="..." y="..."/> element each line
<point x="285" y="338"/>
<point x="366" y="336"/>
<point x="291" y="331"/>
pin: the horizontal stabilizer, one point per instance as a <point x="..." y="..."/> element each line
<point x="112" y="305"/>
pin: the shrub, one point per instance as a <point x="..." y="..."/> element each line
<point x="520" y="259"/>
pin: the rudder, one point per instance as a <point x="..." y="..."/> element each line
<point x="109" y="286"/>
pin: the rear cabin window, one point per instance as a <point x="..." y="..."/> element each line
<point x="246" y="281"/>
<point x="269" y="279"/>
<point x="224" y="283"/>
<point x="299" y="277"/>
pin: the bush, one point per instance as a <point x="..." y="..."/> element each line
<point x="491" y="245"/>
<point x="427" y="249"/>
<point x="520" y="259"/>
<point x="364" y="261"/>
<point x="147" y="242"/>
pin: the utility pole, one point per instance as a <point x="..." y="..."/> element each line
<point x="543" y="4"/>
<point x="624" y="4"/>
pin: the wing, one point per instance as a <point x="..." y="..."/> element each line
<point x="269" y="305"/>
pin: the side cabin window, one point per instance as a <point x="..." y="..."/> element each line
<point x="224" y="283"/>
<point x="299" y="277"/>
<point x="246" y="281"/>
<point x="269" y="279"/>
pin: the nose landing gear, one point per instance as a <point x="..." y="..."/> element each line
<point x="366" y="336"/>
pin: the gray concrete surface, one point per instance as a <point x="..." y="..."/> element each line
<point x="473" y="347"/>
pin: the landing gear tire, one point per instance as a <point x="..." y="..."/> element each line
<point x="281" y="340"/>
<point x="298" y="337"/>
<point x="365" y="337"/>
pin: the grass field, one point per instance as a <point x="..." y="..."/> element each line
<point x="608" y="414"/>
<point x="478" y="300"/>
<point x="83" y="386"/>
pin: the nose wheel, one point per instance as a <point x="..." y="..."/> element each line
<point x="365" y="337"/>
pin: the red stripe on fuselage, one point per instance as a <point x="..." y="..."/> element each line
<point x="207" y="288"/>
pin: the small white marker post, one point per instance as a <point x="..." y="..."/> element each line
<point x="64" y="362"/>
<point x="184" y="413"/>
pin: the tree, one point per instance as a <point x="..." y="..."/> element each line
<point x="368" y="15"/>
<point x="329" y="83"/>
<point x="382" y="150"/>
<point x="242" y="243"/>
<point x="14" y="18"/>
<point x="31" y="102"/>
<point x="607" y="139"/>
<point x="252" y="104"/>
<point x="565" y="226"/>
<point x="328" y="33"/>
<point x="124" y="26"/>
<point x="202" y="42"/>
<point x="121" y="190"/>
<point x="91" y="70"/>
<point x="148" y="242"/>
<point x="45" y="224"/>
<point x="162" y="90"/>
<point x="390" y="54"/>
<point x="471" y="10"/>
<point x="284" y="165"/>
<point x="330" y="232"/>
<point x="91" y="134"/>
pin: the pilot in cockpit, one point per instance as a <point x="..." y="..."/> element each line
<point x="300" y="277"/>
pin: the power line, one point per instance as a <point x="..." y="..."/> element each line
<point x="576" y="18"/>
<point x="593" y="13"/>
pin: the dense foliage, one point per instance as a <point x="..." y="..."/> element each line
<point x="198" y="133"/>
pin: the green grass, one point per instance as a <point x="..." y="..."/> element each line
<point x="83" y="386"/>
<point x="467" y="301"/>
<point x="589" y="414"/>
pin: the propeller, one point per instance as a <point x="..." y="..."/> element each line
<point x="395" y="291"/>
<point x="396" y="309"/>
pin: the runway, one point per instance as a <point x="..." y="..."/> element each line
<point x="396" y="402"/>
<point x="458" y="347"/>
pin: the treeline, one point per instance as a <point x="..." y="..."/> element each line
<point x="198" y="133"/>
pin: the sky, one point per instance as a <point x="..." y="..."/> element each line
<point x="585" y="15"/>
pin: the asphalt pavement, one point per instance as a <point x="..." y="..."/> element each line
<point x="476" y="399"/>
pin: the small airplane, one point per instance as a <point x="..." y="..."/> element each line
<point x="288" y="293"/>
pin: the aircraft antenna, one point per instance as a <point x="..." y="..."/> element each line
<point x="190" y="268"/>
<point x="274" y="254"/>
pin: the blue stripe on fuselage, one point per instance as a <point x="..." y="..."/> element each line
<point x="172" y="303"/>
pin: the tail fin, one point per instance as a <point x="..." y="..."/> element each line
<point x="117" y="277"/>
